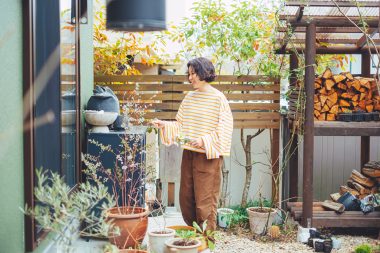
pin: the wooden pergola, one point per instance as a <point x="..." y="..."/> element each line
<point x="326" y="27"/>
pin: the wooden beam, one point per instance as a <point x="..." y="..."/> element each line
<point x="323" y="30"/>
<point x="308" y="152"/>
<point x="363" y="40"/>
<point x="332" y="50"/>
<point x="364" y="150"/>
<point x="330" y="21"/>
<point x="339" y="128"/>
<point x="331" y="4"/>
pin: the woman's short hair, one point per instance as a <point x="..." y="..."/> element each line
<point x="204" y="69"/>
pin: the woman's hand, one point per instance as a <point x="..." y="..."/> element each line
<point x="198" y="143"/>
<point x="158" y="123"/>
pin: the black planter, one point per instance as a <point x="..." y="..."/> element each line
<point x="141" y="15"/>
<point x="103" y="100"/>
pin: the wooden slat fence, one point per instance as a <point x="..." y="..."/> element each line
<point x="254" y="100"/>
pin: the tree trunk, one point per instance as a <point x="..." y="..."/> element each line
<point x="248" y="168"/>
<point x="223" y="195"/>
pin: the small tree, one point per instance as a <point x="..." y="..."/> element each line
<point x="243" y="34"/>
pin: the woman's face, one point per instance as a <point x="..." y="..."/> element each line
<point x="194" y="79"/>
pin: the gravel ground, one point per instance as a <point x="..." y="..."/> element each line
<point x="229" y="243"/>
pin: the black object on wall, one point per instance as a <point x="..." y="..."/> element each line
<point x="136" y="15"/>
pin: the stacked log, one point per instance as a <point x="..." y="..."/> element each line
<point x="344" y="93"/>
<point x="361" y="184"/>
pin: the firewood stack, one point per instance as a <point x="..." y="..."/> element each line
<point x="361" y="184"/>
<point x="344" y="93"/>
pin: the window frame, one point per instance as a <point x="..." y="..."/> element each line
<point x="32" y="239"/>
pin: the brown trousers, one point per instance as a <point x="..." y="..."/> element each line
<point x="200" y="187"/>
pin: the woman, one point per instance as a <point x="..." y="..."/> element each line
<point x="204" y="117"/>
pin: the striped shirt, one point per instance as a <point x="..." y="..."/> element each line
<point x="205" y="115"/>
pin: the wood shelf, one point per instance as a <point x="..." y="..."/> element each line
<point x="339" y="128"/>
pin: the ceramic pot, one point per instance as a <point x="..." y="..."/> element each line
<point x="182" y="249"/>
<point x="224" y="217"/>
<point x="157" y="239"/>
<point x="260" y="219"/>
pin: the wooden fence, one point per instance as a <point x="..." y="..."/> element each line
<point x="254" y="100"/>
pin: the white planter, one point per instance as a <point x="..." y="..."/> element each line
<point x="156" y="243"/>
<point x="182" y="249"/>
<point x="259" y="222"/>
<point x="100" y="120"/>
<point x="224" y="217"/>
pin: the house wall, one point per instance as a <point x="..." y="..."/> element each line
<point x="11" y="120"/>
<point x="11" y="135"/>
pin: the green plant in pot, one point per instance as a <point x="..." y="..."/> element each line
<point x="207" y="237"/>
<point x="185" y="242"/>
<point x="63" y="211"/>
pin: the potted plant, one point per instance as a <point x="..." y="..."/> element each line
<point x="260" y="218"/>
<point x="62" y="211"/>
<point x="126" y="181"/>
<point x="157" y="239"/>
<point x="185" y="242"/>
<point x="224" y="217"/>
<point x="207" y="237"/>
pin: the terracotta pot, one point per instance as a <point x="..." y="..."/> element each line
<point x="182" y="227"/>
<point x="182" y="249"/>
<point x="132" y="222"/>
<point x="132" y="251"/>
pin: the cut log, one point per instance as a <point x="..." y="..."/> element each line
<point x="333" y="97"/>
<point x="344" y="103"/>
<point x="339" y="78"/>
<point x="316" y="98"/>
<point x="330" y="117"/>
<point x="361" y="189"/>
<point x="329" y="84"/>
<point x="335" y="196"/>
<point x="362" y="105"/>
<point x="316" y="113"/>
<point x="371" y="172"/>
<point x="317" y="85"/>
<point x="323" y="99"/>
<point x="355" y="97"/>
<point x="317" y="106"/>
<point x="348" y="75"/>
<point x="322" y="116"/>
<point x="342" y="86"/>
<point x="325" y="108"/>
<point x="365" y="83"/>
<point x="361" y="179"/>
<point x="346" y="96"/>
<point x="323" y="91"/>
<point x="362" y="96"/>
<point x="363" y="90"/>
<point x="337" y="207"/>
<point x="334" y="109"/>
<point x="355" y="103"/>
<point x="330" y="103"/>
<point x="327" y="74"/>
<point x="344" y="188"/>
<point x="356" y="85"/>
<point x="369" y="108"/>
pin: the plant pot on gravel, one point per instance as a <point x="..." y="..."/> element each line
<point x="260" y="219"/>
<point x="157" y="239"/>
<point x="180" y="245"/>
<point x="224" y="217"/>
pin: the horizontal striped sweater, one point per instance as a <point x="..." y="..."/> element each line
<point x="205" y="115"/>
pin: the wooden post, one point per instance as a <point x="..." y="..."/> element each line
<point x="308" y="152"/>
<point x="365" y="140"/>
<point x="293" y="160"/>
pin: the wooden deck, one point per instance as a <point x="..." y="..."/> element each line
<point x="331" y="219"/>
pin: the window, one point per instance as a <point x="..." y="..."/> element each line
<point x="51" y="96"/>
